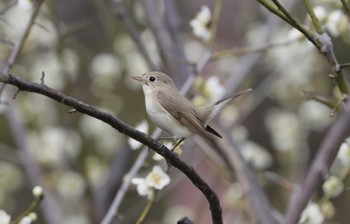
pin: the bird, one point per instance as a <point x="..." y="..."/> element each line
<point x="174" y="113"/>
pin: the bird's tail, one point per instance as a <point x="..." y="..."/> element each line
<point x="218" y="105"/>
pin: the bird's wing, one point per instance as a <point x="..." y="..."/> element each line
<point x="182" y="112"/>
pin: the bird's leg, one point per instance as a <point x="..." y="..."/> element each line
<point x="178" y="143"/>
<point x="163" y="138"/>
<point x="173" y="148"/>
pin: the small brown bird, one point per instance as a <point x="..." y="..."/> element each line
<point x="175" y="114"/>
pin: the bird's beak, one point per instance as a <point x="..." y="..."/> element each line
<point x="137" y="78"/>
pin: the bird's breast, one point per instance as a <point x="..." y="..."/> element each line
<point x="165" y="120"/>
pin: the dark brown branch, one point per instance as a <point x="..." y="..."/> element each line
<point x="324" y="159"/>
<point x="108" y="118"/>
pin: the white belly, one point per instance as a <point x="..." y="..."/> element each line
<point x="166" y="121"/>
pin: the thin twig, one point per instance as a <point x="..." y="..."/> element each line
<point x="325" y="100"/>
<point x="281" y="12"/>
<point x="33" y="205"/>
<point x="345" y="65"/>
<point x="248" y="50"/>
<point x="215" y="21"/>
<point x="313" y="16"/>
<point x="320" y="40"/>
<point x="114" y="208"/>
<point x="148" y="207"/>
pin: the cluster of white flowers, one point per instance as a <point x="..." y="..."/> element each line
<point x="156" y="179"/>
<point x="201" y="24"/>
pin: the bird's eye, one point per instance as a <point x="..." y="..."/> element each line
<point x="152" y="78"/>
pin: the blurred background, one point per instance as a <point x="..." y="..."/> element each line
<point x="85" y="49"/>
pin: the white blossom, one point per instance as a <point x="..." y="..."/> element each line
<point x="142" y="187"/>
<point x="31" y="217"/>
<point x="4" y="217"/>
<point x="143" y="127"/>
<point x="333" y="186"/>
<point x="201" y="24"/>
<point x="38" y="191"/>
<point x="25" y="220"/>
<point x="337" y="22"/>
<point x="157" y="179"/>
<point x="344" y="153"/>
<point x="312" y="215"/>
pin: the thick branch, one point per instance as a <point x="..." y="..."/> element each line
<point x="108" y="118"/>
<point x="321" y="164"/>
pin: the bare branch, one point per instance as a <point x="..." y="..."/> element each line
<point x="324" y="159"/>
<point x="108" y="118"/>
